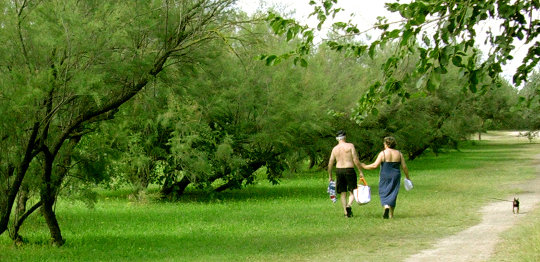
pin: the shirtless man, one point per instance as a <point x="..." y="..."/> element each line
<point x="345" y="157"/>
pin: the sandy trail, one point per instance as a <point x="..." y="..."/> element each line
<point x="478" y="243"/>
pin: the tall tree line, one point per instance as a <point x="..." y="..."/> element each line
<point x="231" y="116"/>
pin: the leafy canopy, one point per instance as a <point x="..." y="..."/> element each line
<point x="441" y="33"/>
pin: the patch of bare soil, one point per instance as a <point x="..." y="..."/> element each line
<point x="478" y="243"/>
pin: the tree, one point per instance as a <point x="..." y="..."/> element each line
<point x="426" y="120"/>
<point x="496" y="107"/>
<point x="530" y="106"/>
<point x="441" y="32"/>
<point x="224" y="119"/>
<point x="220" y="121"/>
<point x="63" y="72"/>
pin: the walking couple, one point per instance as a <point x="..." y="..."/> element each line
<point x="345" y="158"/>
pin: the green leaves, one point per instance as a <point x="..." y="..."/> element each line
<point x="457" y="61"/>
<point x="292" y="30"/>
<point x="447" y="36"/>
<point x="323" y="11"/>
<point x="303" y="62"/>
<point x="269" y="59"/>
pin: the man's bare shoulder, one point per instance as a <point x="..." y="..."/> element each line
<point x="349" y="145"/>
<point x="343" y="146"/>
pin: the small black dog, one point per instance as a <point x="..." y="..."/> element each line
<point x="515" y="205"/>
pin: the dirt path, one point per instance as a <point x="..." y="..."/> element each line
<point x="478" y="242"/>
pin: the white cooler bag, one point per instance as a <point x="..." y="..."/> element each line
<point x="362" y="194"/>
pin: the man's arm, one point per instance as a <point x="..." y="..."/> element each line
<point x="357" y="162"/>
<point x="331" y="165"/>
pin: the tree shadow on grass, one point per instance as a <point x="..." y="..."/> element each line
<point x="266" y="193"/>
<point x="196" y="246"/>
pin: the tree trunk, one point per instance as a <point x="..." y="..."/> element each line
<point x="312" y="162"/>
<point x="7" y="206"/>
<point x="418" y="152"/>
<point x="22" y="198"/>
<point x="52" y="222"/>
<point x="52" y="186"/>
<point x="176" y="188"/>
<point x="47" y="198"/>
<point x="246" y="172"/>
<point x="18" y="223"/>
<point x="20" y="209"/>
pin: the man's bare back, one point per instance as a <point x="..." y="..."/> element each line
<point x="344" y="154"/>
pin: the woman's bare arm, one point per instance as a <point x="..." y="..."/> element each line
<point x="404" y="167"/>
<point x="374" y="164"/>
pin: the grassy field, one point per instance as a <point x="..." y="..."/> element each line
<point x="294" y="221"/>
<point x="521" y="243"/>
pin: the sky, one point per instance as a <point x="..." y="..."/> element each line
<point x="364" y="13"/>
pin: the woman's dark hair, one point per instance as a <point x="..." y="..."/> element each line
<point x="390" y="141"/>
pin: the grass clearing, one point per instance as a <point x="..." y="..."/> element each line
<point x="521" y="243"/>
<point x="294" y="221"/>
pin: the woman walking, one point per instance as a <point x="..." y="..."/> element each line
<point x="390" y="161"/>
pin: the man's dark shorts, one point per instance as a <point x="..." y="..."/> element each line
<point x="346" y="180"/>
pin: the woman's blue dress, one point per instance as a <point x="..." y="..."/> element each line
<point x="389" y="182"/>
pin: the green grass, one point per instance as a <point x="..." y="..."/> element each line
<point x="521" y="243"/>
<point x="294" y="221"/>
